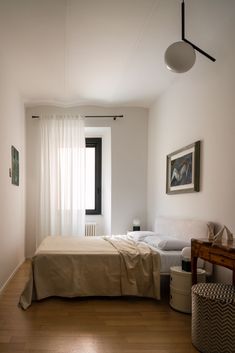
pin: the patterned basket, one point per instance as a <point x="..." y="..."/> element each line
<point x="213" y="317"/>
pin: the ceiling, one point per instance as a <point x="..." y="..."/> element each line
<point x="106" y="52"/>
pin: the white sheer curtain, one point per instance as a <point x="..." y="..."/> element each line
<point x="62" y="181"/>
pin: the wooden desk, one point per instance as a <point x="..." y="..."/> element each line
<point x="222" y="254"/>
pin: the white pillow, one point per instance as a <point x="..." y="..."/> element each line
<point x="166" y="242"/>
<point x="140" y="235"/>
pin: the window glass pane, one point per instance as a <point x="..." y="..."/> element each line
<point x="90" y="178"/>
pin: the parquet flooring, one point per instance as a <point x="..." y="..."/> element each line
<point x="90" y="325"/>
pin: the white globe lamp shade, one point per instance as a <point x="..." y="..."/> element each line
<point x="180" y="57"/>
<point x="136" y="222"/>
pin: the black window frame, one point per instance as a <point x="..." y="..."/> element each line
<point x="96" y="142"/>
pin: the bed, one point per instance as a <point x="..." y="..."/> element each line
<point x="108" y="265"/>
<point x="92" y="266"/>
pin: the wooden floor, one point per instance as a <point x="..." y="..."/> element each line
<point x="90" y="325"/>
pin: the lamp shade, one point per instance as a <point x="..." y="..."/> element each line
<point x="136" y="222"/>
<point x="180" y="57"/>
<point x="186" y="253"/>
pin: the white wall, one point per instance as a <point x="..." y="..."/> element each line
<point x="12" y="205"/>
<point x="128" y="166"/>
<point x="199" y="106"/>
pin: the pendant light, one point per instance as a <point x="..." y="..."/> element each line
<point x="180" y="56"/>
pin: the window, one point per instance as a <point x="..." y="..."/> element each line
<point x="93" y="175"/>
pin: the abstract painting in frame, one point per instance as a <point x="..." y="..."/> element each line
<point x="14" y="166"/>
<point x="183" y="170"/>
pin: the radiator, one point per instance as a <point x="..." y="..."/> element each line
<point x="90" y="229"/>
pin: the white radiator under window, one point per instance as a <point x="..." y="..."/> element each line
<point x="90" y="229"/>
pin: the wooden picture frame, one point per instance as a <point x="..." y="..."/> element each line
<point x="183" y="170"/>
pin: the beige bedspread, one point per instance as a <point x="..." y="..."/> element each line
<point x="92" y="266"/>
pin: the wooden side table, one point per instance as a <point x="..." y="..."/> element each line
<point x="222" y="254"/>
<point x="180" y="288"/>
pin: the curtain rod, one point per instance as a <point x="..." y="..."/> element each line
<point x="114" y="117"/>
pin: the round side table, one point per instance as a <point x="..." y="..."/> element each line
<point x="180" y="288"/>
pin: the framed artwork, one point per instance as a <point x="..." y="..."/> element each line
<point x="183" y="170"/>
<point x="14" y="166"/>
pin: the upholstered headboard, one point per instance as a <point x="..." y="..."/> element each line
<point x="184" y="229"/>
<point x="181" y="228"/>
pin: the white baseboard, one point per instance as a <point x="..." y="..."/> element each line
<point x="13" y="273"/>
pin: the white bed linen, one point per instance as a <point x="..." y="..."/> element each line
<point x="169" y="259"/>
<point x="173" y="258"/>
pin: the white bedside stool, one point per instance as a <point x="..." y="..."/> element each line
<point x="180" y="288"/>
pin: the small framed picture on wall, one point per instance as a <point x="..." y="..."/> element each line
<point x="15" y="177"/>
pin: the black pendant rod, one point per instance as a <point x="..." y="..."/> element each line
<point x="183" y="20"/>
<point x="186" y="40"/>
<point x="200" y="50"/>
